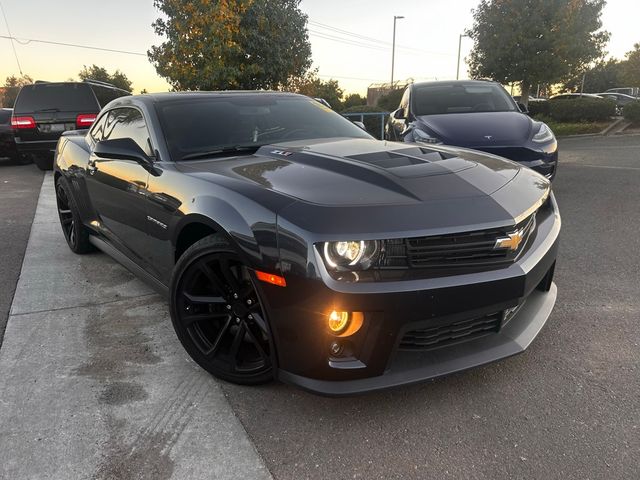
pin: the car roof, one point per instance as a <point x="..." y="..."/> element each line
<point x="88" y="82"/>
<point x="576" y="95"/>
<point x="617" y="94"/>
<point x="154" y="98"/>
<point x="453" y="82"/>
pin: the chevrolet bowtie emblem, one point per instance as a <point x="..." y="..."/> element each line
<point x="512" y="242"/>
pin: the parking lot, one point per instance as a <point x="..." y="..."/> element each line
<point x="93" y="383"/>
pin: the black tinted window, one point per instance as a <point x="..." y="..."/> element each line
<point x="208" y="123"/>
<point x="5" y="116"/>
<point x="63" y="97"/>
<point x="97" y="129"/>
<point x="106" y="94"/>
<point x="456" y="98"/>
<point x="127" y="123"/>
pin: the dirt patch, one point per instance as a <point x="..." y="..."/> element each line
<point x="121" y="393"/>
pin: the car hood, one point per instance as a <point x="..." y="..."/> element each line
<point x="352" y="172"/>
<point x="478" y="129"/>
<point x="391" y="189"/>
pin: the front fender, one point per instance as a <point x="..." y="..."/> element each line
<point x="249" y="227"/>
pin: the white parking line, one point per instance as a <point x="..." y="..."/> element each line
<point x="613" y="167"/>
<point x="94" y="383"/>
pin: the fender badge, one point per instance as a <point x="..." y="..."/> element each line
<point x="281" y="152"/>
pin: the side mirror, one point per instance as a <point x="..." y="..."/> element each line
<point x="122" y="149"/>
<point x="399" y="114"/>
<point x="523" y="108"/>
<point x="359" y="124"/>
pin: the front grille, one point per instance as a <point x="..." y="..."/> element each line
<point x="467" y="249"/>
<point x="434" y="337"/>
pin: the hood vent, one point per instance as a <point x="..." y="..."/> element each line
<point x="400" y="158"/>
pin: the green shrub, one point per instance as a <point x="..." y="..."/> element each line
<point x="631" y="112"/>
<point x="372" y="123"/>
<point x="581" y="110"/>
<point x="538" y="108"/>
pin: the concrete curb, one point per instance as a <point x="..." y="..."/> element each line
<point x="603" y="133"/>
<point x="94" y="383"/>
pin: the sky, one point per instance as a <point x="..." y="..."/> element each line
<point x="426" y="38"/>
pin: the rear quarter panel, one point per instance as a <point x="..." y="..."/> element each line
<point x="71" y="158"/>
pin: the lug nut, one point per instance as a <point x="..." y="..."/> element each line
<point x="250" y="317"/>
<point x="237" y="320"/>
<point x="249" y="302"/>
<point x="235" y="295"/>
<point x="228" y="307"/>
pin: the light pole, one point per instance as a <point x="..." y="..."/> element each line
<point x="459" y="49"/>
<point x="393" y="49"/>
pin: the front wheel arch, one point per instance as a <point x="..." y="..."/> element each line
<point x="211" y="246"/>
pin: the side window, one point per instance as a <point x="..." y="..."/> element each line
<point x="97" y="129"/>
<point x="5" y="117"/>
<point x="127" y="123"/>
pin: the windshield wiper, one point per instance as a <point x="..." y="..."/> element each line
<point x="222" y="151"/>
<point x="47" y="110"/>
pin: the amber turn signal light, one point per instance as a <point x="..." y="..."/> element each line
<point x="271" y="278"/>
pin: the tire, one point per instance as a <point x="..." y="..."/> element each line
<point x="75" y="233"/>
<point x="21" y="159"/>
<point x="217" y="313"/>
<point x="43" y="161"/>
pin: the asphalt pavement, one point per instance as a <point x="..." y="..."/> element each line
<point x="19" y="189"/>
<point x="93" y="382"/>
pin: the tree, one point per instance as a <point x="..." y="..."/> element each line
<point x="601" y="77"/>
<point x="354" y="100"/>
<point x="631" y="68"/>
<point x="535" y="41"/>
<point x="311" y="85"/>
<point x="390" y="101"/>
<point x="12" y="86"/>
<point x="231" y="44"/>
<point x="117" y="79"/>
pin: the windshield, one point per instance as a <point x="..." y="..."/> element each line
<point x="439" y="99"/>
<point x="197" y="125"/>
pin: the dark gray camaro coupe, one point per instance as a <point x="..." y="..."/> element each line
<point x="292" y="245"/>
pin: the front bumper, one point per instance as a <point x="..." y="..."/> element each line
<point x="36" y="147"/>
<point x="544" y="161"/>
<point x="372" y="358"/>
<point x="413" y="367"/>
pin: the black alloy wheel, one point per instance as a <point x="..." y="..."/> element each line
<point x="76" y="234"/>
<point x="217" y="313"/>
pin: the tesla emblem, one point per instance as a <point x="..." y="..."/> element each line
<point x="512" y="242"/>
<point x="488" y="137"/>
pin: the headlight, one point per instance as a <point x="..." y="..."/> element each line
<point x="544" y="134"/>
<point x="350" y="255"/>
<point x="424" y="137"/>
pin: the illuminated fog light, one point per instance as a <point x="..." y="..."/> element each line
<point x="338" y="321"/>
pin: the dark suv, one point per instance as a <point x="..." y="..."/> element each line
<point x="7" y="145"/>
<point x="46" y="109"/>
